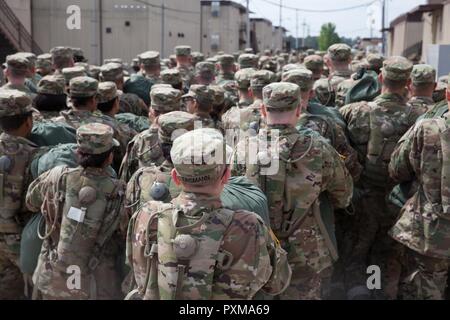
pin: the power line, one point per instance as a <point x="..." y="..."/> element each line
<point x="320" y="11"/>
<point x="166" y="8"/>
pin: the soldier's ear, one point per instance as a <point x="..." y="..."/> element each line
<point x="263" y="111"/>
<point x="226" y="176"/>
<point x="447" y="93"/>
<point x="380" y="78"/>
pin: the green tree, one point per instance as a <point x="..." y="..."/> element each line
<point x="328" y="36"/>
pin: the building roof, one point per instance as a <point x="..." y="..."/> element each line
<point x="226" y="3"/>
<point x="261" y="20"/>
<point x="282" y="28"/>
<point x="415" y="15"/>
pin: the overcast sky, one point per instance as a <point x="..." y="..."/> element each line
<point x="351" y="23"/>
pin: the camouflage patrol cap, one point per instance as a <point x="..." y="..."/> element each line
<point x="14" y="103"/>
<point x="310" y="52"/>
<point x="281" y="96"/>
<point x="44" y="61"/>
<point x="226" y="60"/>
<point x="314" y="63"/>
<point x="340" y="52"/>
<point x="78" y="52"/>
<point x="111" y="72"/>
<point x="70" y="73"/>
<point x="174" y="124"/>
<point x="197" y="57"/>
<point x="30" y="57"/>
<point x="150" y="59"/>
<point x="165" y="98"/>
<point x="83" y="87"/>
<point x="84" y="65"/>
<point x="248" y="50"/>
<point x="96" y="138"/>
<point x="261" y="78"/>
<point x="291" y="66"/>
<point x="94" y="72"/>
<point x="423" y="74"/>
<point x="113" y="60"/>
<point x="443" y="79"/>
<point x="244" y="77"/>
<point x="106" y="92"/>
<point x="301" y="77"/>
<point x="219" y="95"/>
<point x="183" y="51"/>
<point x="201" y="93"/>
<point x="375" y="61"/>
<point x="236" y="55"/>
<point x="53" y="85"/>
<point x="18" y="62"/>
<point x="248" y="60"/>
<point x="397" y="68"/>
<point x="172" y="77"/>
<point x="61" y="53"/>
<point x="205" y="69"/>
<point x="200" y="157"/>
<point x="212" y="60"/>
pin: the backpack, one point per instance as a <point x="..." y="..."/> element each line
<point x="366" y="88"/>
<point x="46" y="133"/>
<point x="137" y="123"/>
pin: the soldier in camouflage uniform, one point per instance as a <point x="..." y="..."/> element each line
<point x="142" y="82"/>
<point x="205" y="73"/>
<point x="314" y="63"/>
<point x="81" y="225"/>
<point x="375" y="62"/>
<point x="200" y="258"/>
<point x="184" y="64"/>
<point x="374" y="130"/>
<point x="83" y="92"/>
<point x="44" y="65"/>
<point x="145" y="149"/>
<point x="172" y="77"/>
<point x="423" y="227"/>
<point x="197" y="57"/>
<point x="294" y="168"/>
<point x="154" y="183"/>
<point x="129" y="102"/>
<point x="248" y="61"/>
<point x="62" y="57"/>
<point x="16" y="155"/>
<point x="199" y="102"/>
<point x="218" y="105"/>
<point x="17" y="70"/>
<point x="227" y="69"/>
<point x="338" y="62"/>
<point x="51" y="98"/>
<point x="423" y="83"/>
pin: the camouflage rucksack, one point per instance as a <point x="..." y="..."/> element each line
<point x="181" y="261"/>
<point x="387" y="126"/>
<point x="88" y="211"/>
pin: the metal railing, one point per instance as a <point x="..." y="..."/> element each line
<point x="14" y="30"/>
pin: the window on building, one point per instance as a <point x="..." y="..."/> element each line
<point x="108" y="30"/>
<point x="215" y="42"/>
<point x="215" y="8"/>
<point x="127" y="23"/>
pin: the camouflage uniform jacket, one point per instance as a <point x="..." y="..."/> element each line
<point x="22" y="88"/>
<point x="309" y="167"/>
<point x="187" y="74"/>
<point x="94" y="242"/>
<point x="13" y="196"/>
<point x="335" y="134"/>
<point x="131" y="103"/>
<point x="143" y="151"/>
<point x="423" y="154"/>
<point x="422" y="104"/>
<point x="374" y="130"/>
<point x="224" y="77"/>
<point x="255" y="261"/>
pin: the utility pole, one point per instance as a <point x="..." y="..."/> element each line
<point x="248" y="25"/>
<point x="296" y="27"/>
<point x="281" y="12"/>
<point x="163" y="31"/>
<point x="383" y="24"/>
<point x="304" y="33"/>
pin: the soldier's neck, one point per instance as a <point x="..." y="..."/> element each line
<point x="386" y="90"/>
<point x="16" y="81"/>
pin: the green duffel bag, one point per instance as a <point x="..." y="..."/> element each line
<point x="47" y="134"/>
<point x="240" y="193"/>
<point x="30" y="244"/>
<point x="137" y="123"/>
<point x="367" y="87"/>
